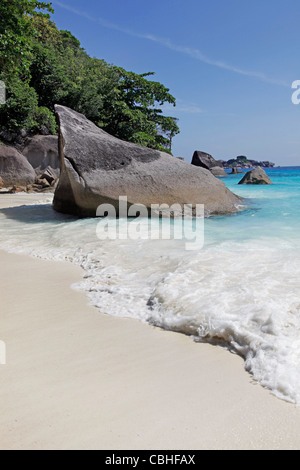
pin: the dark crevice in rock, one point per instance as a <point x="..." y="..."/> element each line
<point x="74" y="166"/>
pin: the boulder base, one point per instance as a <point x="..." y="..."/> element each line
<point x="97" y="168"/>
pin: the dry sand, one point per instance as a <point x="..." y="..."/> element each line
<point x="78" y="379"/>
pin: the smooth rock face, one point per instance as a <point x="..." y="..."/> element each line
<point x="42" y="152"/>
<point x="256" y="176"/>
<point x="14" y="168"/>
<point x="98" y="168"/>
<point x="218" y="171"/>
<point x="205" y="160"/>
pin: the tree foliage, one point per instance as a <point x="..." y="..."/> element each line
<point x="134" y="117"/>
<point x="16" y="32"/>
<point x="43" y="66"/>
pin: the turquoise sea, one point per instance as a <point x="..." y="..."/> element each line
<point x="273" y="210"/>
<point x="241" y="290"/>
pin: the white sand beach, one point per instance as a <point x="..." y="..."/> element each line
<point x="78" y="379"/>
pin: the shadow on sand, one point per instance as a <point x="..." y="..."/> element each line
<point x="36" y="214"/>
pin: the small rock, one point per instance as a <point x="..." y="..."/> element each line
<point x="29" y="188"/>
<point x="42" y="182"/>
<point x="49" y="175"/>
<point x="236" y="171"/>
<point x="17" y="189"/>
<point x="256" y="176"/>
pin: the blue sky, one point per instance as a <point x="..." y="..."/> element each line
<point x="229" y="63"/>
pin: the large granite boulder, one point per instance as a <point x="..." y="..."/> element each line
<point x="218" y="171"/>
<point x="15" y="170"/>
<point x="204" y="160"/>
<point x="42" y="152"/>
<point x="256" y="176"/>
<point x="98" y="168"/>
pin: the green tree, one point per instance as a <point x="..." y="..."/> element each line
<point x="134" y="116"/>
<point x="47" y="75"/>
<point x="43" y="66"/>
<point x="16" y="31"/>
<point x="21" y="103"/>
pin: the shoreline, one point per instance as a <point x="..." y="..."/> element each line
<point x="79" y="379"/>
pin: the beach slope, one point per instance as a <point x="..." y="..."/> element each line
<point x="78" y="379"/>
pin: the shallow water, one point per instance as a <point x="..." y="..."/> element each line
<point x="240" y="290"/>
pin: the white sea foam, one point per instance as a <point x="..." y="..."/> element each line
<point x="244" y="297"/>
<point x="241" y="294"/>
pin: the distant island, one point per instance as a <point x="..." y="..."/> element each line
<point x="244" y="162"/>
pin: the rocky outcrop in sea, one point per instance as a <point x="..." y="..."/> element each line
<point x="205" y="160"/>
<point x="244" y="162"/>
<point x="256" y="176"/>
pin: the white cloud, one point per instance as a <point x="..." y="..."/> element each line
<point x="184" y="107"/>
<point x="191" y="52"/>
<point x="191" y="109"/>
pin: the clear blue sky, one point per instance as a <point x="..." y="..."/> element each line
<point x="229" y="63"/>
